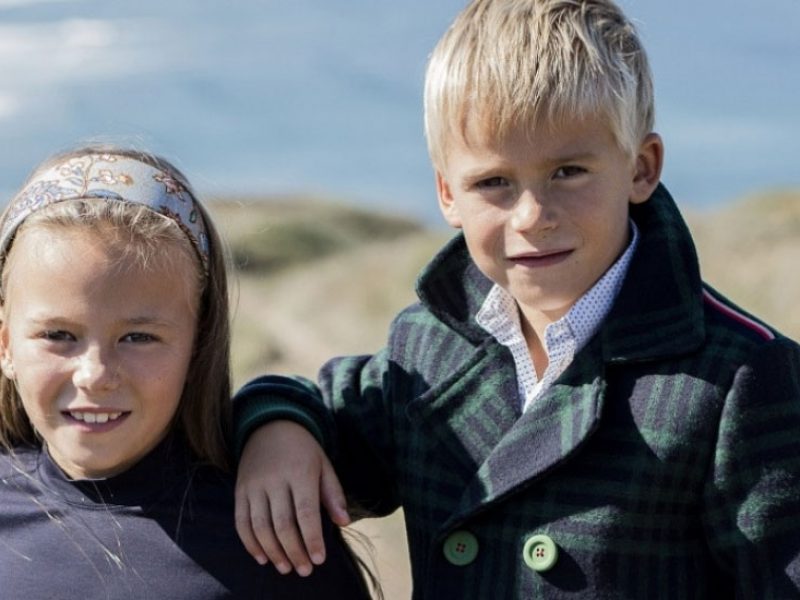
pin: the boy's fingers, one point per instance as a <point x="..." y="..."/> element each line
<point x="333" y="498"/>
<point x="245" y="530"/>
<point x="261" y="524"/>
<point x="284" y="524"/>
<point x="307" y="511"/>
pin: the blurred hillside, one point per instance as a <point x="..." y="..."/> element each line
<point x="315" y="279"/>
<point x="750" y="251"/>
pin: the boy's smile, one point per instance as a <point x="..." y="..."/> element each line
<point x="545" y="214"/>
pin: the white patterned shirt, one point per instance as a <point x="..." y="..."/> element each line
<point x="499" y="316"/>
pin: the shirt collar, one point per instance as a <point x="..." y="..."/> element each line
<point x="499" y="316"/>
<point x="658" y="312"/>
<point x="589" y="311"/>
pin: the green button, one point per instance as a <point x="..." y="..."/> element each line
<point x="460" y="548"/>
<point x="540" y="552"/>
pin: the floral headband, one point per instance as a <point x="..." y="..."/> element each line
<point x="113" y="177"/>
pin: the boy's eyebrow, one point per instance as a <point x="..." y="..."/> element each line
<point x="567" y="157"/>
<point x="477" y="172"/>
<point x="43" y="320"/>
<point x="573" y="157"/>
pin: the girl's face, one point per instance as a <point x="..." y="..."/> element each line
<point x="98" y="347"/>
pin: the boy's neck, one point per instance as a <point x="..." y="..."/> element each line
<point x="533" y="325"/>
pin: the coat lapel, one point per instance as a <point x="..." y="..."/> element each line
<point x="470" y="412"/>
<point x="546" y="435"/>
<point x="475" y="420"/>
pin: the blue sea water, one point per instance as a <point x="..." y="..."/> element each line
<point x="323" y="97"/>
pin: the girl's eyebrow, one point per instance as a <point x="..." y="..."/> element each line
<point x="53" y="321"/>
<point x="149" y="320"/>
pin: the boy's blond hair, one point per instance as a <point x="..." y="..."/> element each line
<point x="509" y="64"/>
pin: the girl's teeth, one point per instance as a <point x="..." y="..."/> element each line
<point x="89" y="417"/>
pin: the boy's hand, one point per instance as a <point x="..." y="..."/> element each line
<point x="282" y="474"/>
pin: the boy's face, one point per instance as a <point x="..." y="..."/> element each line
<point x="546" y="214"/>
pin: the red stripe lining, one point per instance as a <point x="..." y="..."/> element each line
<point x="737" y="316"/>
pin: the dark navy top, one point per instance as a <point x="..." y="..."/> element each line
<point x="164" y="529"/>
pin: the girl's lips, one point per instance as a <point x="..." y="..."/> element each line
<point x="94" y="420"/>
<point x="540" y="259"/>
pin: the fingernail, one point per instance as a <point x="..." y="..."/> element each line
<point x="261" y="559"/>
<point x="317" y="558"/>
<point x="344" y="514"/>
<point x="283" y="568"/>
<point x="304" y="570"/>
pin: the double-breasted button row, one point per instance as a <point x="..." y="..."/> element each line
<point x="460" y="548"/>
<point x="540" y="552"/>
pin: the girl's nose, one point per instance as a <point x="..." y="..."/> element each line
<point x="96" y="371"/>
<point x="530" y="212"/>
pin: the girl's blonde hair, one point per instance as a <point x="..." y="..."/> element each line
<point x="505" y="65"/>
<point x="140" y="233"/>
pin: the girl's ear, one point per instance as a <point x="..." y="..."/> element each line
<point x="6" y="364"/>
<point x="446" y="201"/>
<point x="7" y="367"/>
<point x="649" y="161"/>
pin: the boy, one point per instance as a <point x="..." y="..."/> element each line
<point x="568" y="411"/>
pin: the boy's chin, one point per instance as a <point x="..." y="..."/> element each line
<point x="552" y="305"/>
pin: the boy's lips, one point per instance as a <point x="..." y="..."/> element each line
<point x="540" y="259"/>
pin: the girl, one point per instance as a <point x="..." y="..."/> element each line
<point x="114" y="395"/>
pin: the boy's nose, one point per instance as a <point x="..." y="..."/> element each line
<point x="96" y="371"/>
<point x="531" y="212"/>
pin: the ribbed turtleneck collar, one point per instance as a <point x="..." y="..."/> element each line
<point x="166" y="466"/>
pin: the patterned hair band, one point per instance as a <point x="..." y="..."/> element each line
<point x="113" y="177"/>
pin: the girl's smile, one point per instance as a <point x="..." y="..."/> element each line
<point x="96" y="420"/>
<point x="97" y="344"/>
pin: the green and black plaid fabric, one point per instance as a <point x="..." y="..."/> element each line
<point x="664" y="463"/>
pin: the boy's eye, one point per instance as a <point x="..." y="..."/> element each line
<point x="57" y="335"/>
<point x="491" y="182"/>
<point x="568" y="171"/>
<point x="137" y="337"/>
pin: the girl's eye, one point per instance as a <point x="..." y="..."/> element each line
<point x="57" y="335"/>
<point x="568" y="171"/>
<point x="491" y="182"/>
<point x="138" y="337"/>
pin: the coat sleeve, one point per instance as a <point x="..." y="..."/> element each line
<point x="752" y="496"/>
<point x="349" y="412"/>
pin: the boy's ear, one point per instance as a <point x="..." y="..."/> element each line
<point x="446" y="201"/>
<point x="649" y="161"/>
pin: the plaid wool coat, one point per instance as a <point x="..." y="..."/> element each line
<point x="663" y="463"/>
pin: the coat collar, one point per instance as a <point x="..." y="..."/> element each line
<point x="657" y="313"/>
<point x="473" y="412"/>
